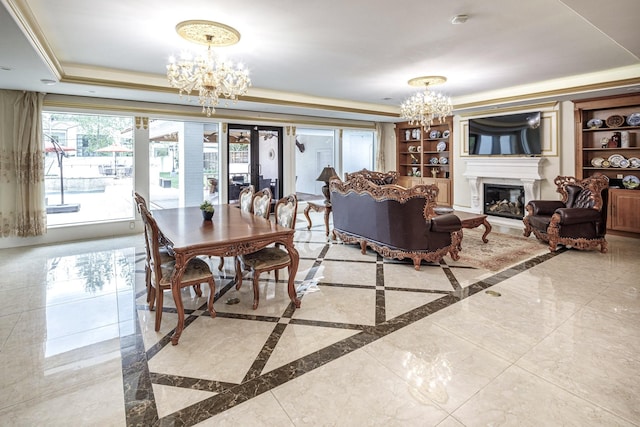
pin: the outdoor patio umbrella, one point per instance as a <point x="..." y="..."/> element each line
<point x="52" y="146"/>
<point x="115" y="149"/>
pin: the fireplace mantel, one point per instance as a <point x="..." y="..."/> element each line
<point x="525" y="171"/>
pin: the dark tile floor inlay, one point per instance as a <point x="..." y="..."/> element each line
<point x="137" y="379"/>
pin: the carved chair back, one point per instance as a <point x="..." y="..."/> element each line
<point x="286" y="210"/>
<point x="152" y="236"/>
<point x="246" y="199"/>
<point x="139" y="201"/>
<point x="262" y="203"/>
<point x="584" y="193"/>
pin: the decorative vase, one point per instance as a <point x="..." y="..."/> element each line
<point x="624" y="142"/>
<point x="207" y="215"/>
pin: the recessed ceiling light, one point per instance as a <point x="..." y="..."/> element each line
<point x="459" y="19"/>
<point x="48" y="82"/>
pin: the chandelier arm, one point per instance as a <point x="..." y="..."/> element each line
<point x="205" y="74"/>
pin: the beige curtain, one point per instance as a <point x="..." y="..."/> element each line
<point x="22" y="207"/>
<point x="380" y="166"/>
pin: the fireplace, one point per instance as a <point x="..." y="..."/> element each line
<point x="504" y="200"/>
<point x="522" y="172"/>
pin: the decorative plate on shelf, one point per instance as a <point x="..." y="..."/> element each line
<point x="444" y="160"/>
<point x="433" y="160"/>
<point x="446" y="134"/>
<point x="594" y="123"/>
<point x="605" y="164"/>
<point x="615" y="160"/>
<point x="441" y="146"/>
<point x="634" y="162"/>
<point x="631" y="182"/>
<point x="633" y="119"/>
<point x="615" y="121"/>
<point x="596" y="162"/>
<point x="624" y="163"/>
<point x="434" y="134"/>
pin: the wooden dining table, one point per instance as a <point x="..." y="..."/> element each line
<point x="231" y="232"/>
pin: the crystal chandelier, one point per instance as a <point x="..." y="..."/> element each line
<point x="424" y="107"/>
<point x="206" y="74"/>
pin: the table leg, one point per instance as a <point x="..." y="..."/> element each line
<point x="327" y="211"/>
<point x="306" y="214"/>
<point x="487" y="230"/>
<point x="293" y="269"/>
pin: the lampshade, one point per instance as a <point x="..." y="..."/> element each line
<point x="327" y="173"/>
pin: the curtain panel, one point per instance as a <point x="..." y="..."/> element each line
<point x="22" y="206"/>
<point x="380" y="146"/>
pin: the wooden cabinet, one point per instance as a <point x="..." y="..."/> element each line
<point x="443" y="184"/>
<point x="608" y="142"/>
<point x="425" y="157"/>
<point x="624" y="208"/>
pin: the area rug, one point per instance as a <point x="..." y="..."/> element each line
<point x="501" y="252"/>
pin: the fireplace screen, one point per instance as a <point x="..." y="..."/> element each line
<point x="504" y="200"/>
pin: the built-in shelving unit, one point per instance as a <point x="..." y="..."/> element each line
<point x="605" y="134"/>
<point x="424" y="157"/>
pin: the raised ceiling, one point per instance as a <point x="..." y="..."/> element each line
<point x="335" y="58"/>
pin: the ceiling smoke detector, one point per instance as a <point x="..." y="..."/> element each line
<point x="459" y="19"/>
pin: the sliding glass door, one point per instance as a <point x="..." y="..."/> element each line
<point x="255" y="158"/>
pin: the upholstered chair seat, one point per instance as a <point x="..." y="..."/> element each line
<point x="267" y="259"/>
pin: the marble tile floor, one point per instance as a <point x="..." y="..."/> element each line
<point x="374" y="343"/>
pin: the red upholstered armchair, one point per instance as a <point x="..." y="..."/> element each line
<point x="579" y="220"/>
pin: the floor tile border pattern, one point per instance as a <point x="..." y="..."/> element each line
<point x="137" y="379"/>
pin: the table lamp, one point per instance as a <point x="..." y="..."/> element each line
<point x="327" y="173"/>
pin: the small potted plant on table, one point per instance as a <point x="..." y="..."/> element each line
<point x="207" y="210"/>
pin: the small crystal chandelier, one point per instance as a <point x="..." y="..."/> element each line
<point x="208" y="75"/>
<point x="424" y="107"/>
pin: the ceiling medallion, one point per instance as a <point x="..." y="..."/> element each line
<point x="426" y="106"/>
<point x="208" y="33"/>
<point x="206" y="74"/>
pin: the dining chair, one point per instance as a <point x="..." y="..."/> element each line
<point x="271" y="258"/>
<point x="245" y="200"/>
<point x="196" y="272"/>
<point x="261" y="203"/>
<point x="165" y="256"/>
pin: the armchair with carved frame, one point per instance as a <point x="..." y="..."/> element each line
<point x="579" y="220"/>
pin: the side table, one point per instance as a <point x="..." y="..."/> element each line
<point x="318" y="207"/>
<point x="472" y="220"/>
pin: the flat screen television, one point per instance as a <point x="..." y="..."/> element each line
<point x="510" y="135"/>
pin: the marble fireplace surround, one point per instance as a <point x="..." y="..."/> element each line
<point x="524" y="171"/>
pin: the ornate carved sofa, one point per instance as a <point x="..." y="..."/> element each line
<point x="378" y="178"/>
<point x="394" y="221"/>
<point x="578" y="220"/>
